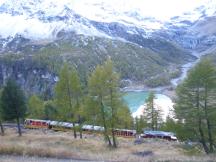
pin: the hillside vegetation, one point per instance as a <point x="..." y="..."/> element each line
<point x="36" y="65"/>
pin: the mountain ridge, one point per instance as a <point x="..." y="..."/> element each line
<point x="50" y="36"/>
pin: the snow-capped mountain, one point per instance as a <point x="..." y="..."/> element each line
<point x="44" y="19"/>
<point x="35" y="19"/>
<point x="148" y="40"/>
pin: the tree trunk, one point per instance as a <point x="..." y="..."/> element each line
<point x="81" y="133"/>
<point x="153" y="115"/>
<point x="202" y="138"/>
<point x="113" y="118"/>
<point x="156" y="121"/>
<point x="114" y="140"/>
<point x="211" y="143"/>
<point x="211" y="148"/>
<point x="2" y="128"/>
<point x="74" y="130"/>
<point x="104" y="123"/>
<point x="80" y="126"/>
<point x="70" y="104"/>
<point x="108" y="139"/>
<point x="19" y="128"/>
<point x="106" y="135"/>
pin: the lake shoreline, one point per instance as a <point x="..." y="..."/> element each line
<point x="168" y="90"/>
<point x="135" y="99"/>
<point x="165" y="90"/>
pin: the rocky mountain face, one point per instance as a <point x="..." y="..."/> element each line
<point x="38" y="36"/>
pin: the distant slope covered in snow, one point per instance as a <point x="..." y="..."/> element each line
<point x="45" y="18"/>
<point x="148" y="40"/>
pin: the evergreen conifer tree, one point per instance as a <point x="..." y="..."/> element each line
<point x="13" y="103"/>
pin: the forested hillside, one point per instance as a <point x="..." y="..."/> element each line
<point x="36" y="67"/>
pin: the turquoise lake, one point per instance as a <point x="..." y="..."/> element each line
<point x="135" y="99"/>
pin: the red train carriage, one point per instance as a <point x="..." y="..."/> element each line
<point x="32" y="123"/>
<point x="125" y="132"/>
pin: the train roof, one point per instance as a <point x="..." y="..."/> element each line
<point x="92" y="127"/>
<point x="160" y="133"/>
<point x="64" y="124"/>
<point x="38" y="120"/>
<point x="127" y="130"/>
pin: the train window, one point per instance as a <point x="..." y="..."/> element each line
<point x="118" y="133"/>
<point x="38" y="123"/>
<point x="27" y="122"/>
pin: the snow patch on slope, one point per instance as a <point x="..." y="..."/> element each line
<point x="144" y="13"/>
<point x="43" y="19"/>
<point x="29" y="28"/>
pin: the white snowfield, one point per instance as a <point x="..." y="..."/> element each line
<point x="43" y="19"/>
<point x="162" y="103"/>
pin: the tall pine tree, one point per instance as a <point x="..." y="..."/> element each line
<point x="36" y="108"/>
<point x="195" y="105"/>
<point x="104" y="90"/>
<point x="152" y="112"/>
<point x="68" y="96"/>
<point x="13" y="103"/>
<point x="1" y="116"/>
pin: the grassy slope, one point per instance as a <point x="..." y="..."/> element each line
<point x="62" y="145"/>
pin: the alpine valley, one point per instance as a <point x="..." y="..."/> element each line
<point x="38" y="36"/>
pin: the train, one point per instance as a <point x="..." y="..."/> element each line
<point x="67" y="126"/>
<point x="159" y="134"/>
